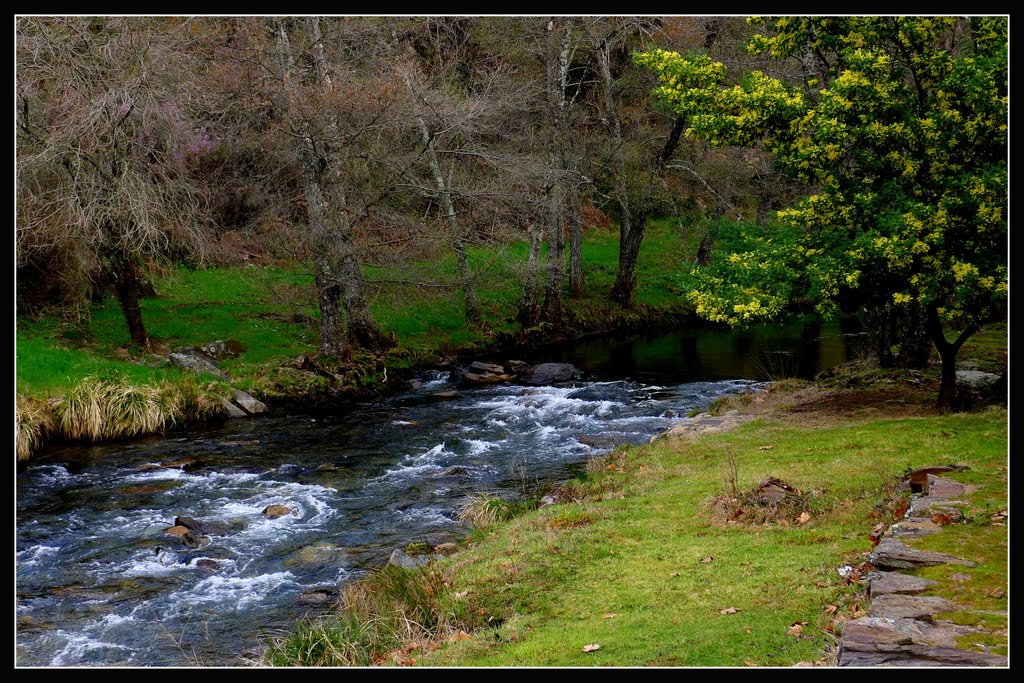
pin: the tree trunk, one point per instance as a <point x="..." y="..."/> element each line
<point x="529" y="312"/>
<point x="629" y="252"/>
<point x="914" y="342"/>
<point x="552" y="310"/>
<point x="947" y="352"/>
<point x="332" y="341"/>
<point x="575" y="239"/>
<point x="472" y="308"/>
<point x="127" y="281"/>
<point x="337" y="243"/>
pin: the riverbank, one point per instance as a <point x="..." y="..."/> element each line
<point x="268" y="311"/>
<point x="675" y="554"/>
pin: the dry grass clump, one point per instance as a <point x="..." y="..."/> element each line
<point x="32" y="424"/>
<point x="771" y="501"/>
<point x="483" y="509"/>
<point x="111" y="409"/>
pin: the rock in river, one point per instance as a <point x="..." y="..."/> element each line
<point x="275" y="511"/>
<point x="548" y="373"/>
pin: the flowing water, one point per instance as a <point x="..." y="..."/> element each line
<point x="100" y="583"/>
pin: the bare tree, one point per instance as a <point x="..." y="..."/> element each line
<point x="104" y="138"/>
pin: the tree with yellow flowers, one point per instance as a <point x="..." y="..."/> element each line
<point x="900" y="124"/>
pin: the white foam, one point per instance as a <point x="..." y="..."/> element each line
<point x="77" y="646"/>
<point x="476" y="446"/>
<point x="237" y="591"/>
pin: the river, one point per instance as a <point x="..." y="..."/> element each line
<point x="99" y="582"/>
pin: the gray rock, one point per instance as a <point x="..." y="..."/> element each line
<point x="487" y="368"/>
<point x="914" y="528"/>
<point x="877" y="641"/>
<point x="231" y="410"/>
<point x="886" y="583"/>
<point x="223" y="349"/>
<point x="319" y="596"/>
<point x="248" y="403"/>
<point x="208" y="565"/>
<point x="892" y="554"/>
<point x="548" y="500"/>
<point x="975" y="379"/>
<point x="548" y="373"/>
<point x="400" y="558"/>
<point x="909" y="607"/>
<point x="514" y="367"/>
<point x="194" y="360"/>
<point x="446" y="394"/>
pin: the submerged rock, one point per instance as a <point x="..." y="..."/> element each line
<point x="208" y="565"/>
<point x="548" y="373"/>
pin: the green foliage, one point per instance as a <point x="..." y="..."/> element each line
<point x="904" y="132"/>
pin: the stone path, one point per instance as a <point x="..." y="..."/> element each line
<point x="704" y="423"/>
<point x="900" y="628"/>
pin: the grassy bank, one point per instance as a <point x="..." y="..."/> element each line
<point x="271" y="310"/>
<point x="640" y="559"/>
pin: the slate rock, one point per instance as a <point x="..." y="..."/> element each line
<point x="892" y="554"/>
<point x="248" y="403"/>
<point x="909" y="606"/>
<point x="194" y="360"/>
<point x="886" y="583"/>
<point x="231" y="410"/>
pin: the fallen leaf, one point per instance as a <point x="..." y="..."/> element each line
<point x="804" y="517"/>
<point x="830" y="609"/>
<point x="995" y="593"/>
<point x="804" y="664"/>
<point x="728" y="610"/>
<point x="707" y="559"/>
<point x="674" y="574"/>
<point x="749" y="663"/>
<point x="765" y="448"/>
<point x="747" y="630"/>
<point x="591" y="647"/>
<point x="784" y="522"/>
<point x="461" y="635"/>
<point x="942" y="519"/>
<point x="610" y="615"/>
<point x="796" y="629"/>
<point x="461" y="594"/>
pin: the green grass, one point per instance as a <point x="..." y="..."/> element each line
<point x="272" y="311"/>
<point x="548" y="577"/>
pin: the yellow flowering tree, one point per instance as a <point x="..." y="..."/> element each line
<point x="901" y="125"/>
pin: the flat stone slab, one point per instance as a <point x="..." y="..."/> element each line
<point x="909" y="607"/>
<point x="892" y="554"/>
<point x="888" y="583"/>
<point x="703" y="424"/>
<point x="926" y="506"/>
<point x="231" y="410"/>
<point x="914" y="527"/>
<point x="248" y="403"/>
<point x="878" y="641"/>
<point x="941" y="488"/>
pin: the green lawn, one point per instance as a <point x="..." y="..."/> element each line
<point x="550" y="577"/>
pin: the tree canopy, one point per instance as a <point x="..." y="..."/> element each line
<point x="900" y="124"/>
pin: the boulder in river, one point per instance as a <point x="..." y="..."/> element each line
<point x="514" y="367"/>
<point x="275" y="511"/>
<point x="486" y="368"/>
<point x="445" y="394"/>
<point x="207" y="565"/>
<point x="231" y="410"/>
<point x="548" y="373"/>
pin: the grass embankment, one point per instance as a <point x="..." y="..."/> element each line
<point x="640" y="560"/>
<point x="272" y="311"/>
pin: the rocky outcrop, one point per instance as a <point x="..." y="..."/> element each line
<point x="880" y="641"/>
<point x="704" y="423"/>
